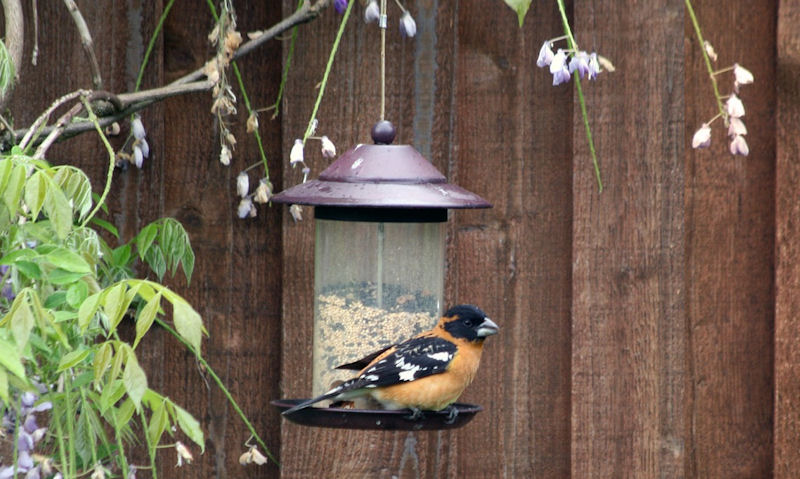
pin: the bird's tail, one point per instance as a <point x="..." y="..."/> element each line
<point x="328" y="395"/>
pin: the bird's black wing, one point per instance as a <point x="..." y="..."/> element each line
<point x="364" y="362"/>
<point x="414" y="359"/>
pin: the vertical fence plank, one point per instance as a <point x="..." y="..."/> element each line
<point x="511" y="139"/>
<point x="629" y="326"/>
<point x="730" y="248"/>
<point x="787" y="247"/>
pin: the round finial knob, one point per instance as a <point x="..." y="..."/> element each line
<point x="383" y="133"/>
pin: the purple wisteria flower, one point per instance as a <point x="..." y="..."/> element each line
<point x="340" y="6"/>
<point x="545" y="55"/>
<point x="558" y="67"/>
<point x="372" y="13"/>
<point x="408" y="27"/>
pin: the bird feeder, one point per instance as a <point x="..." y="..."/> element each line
<point x="380" y="212"/>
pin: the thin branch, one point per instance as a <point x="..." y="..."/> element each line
<point x="35" y="52"/>
<point x="86" y="42"/>
<point x="132" y="102"/>
<point x="124" y="104"/>
<point x="304" y="14"/>
<point x="14" y="39"/>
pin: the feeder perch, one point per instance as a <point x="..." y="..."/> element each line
<point x="380" y="212"/>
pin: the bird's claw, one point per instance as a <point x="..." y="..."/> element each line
<point x="415" y="414"/>
<point x="452" y="414"/>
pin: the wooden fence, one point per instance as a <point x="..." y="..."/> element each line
<point x="646" y="331"/>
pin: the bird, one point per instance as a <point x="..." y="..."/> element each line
<point x="427" y="372"/>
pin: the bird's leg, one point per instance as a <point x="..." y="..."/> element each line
<point x="416" y="413"/>
<point x="452" y="414"/>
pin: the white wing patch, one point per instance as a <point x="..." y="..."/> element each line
<point x="442" y="356"/>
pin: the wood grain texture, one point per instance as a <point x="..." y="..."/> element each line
<point x="629" y="350"/>
<point x="730" y="244"/>
<point x="787" y="245"/>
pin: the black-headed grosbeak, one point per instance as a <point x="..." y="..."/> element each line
<point x="426" y="372"/>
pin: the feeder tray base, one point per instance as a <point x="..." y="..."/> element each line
<point x="379" y="419"/>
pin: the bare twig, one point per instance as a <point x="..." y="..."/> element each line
<point x="304" y="14"/>
<point x="35" y="53"/>
<point x="56" y="131"/>
<point x="129" y="103"/>
<point x="30" y="131"/>
<point x="15" y="33"/>
<point x="86" y="42"/>
<point x="123" y="104"/>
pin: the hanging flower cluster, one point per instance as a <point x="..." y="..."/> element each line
<point x="140" y="149"/>
<point x="297" y="157"/>
<point x="731" y="111"/>
<point x="372" y="14"/>
<point x="23" y="426"/>
<point x="564" y="62"/>
<point x="227" y="40"/>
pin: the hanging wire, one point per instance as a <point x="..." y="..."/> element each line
<point x="382" y="24"/>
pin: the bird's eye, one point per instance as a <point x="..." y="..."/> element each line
<point x="468" y="322"/>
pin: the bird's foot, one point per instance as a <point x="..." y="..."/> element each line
<point x="416" y="413"/>
<point x="452" y="414"/>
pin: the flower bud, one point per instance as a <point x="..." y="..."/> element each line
<point x="328" y="148"/>
<point x="736" y="127"/>
<point x="138" y="128"/>
<point x="702" y="137"/>
<point x="296" y="155"/>
<point x="183" y="453"/>
<point x="734" y="106"/>
<point x="225" y="155"/>
<point x="545" y="55"/>
<point x="739" y="146"/>
<point x="263" y="191"/>
<point x="340" y="6"/>
<point x="257" y="457"/>
<point x="144" y="147"/>
<point x="710" y="51"/>
<point x="243" y="210"/>
<point x="297" y="212"/>
<point x="242" y="184"/>
<point x="252" y="122"/>
<point x="408" y="27"/>
<point x="373" y="12"/>
<point x="138" y="157"/>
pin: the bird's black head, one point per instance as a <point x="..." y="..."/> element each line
<point x="468" y="322"/>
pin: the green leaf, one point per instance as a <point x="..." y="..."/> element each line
<point x="187" y="262"/>
<point x="112" y="393"/>
<point x="121" y="256"/>
<point x="16" y="255"/>
<point x="77" y="293"/>
<point x="115" y="303"/>
<point x="146" y="317"/>
<point x="102" y="360"/>
<point x="125" y="411"/>
<point x="190" y="426"/>
<point x="68" y="260"/>
<point x="88" y="309"/>
<point x="519" y="6"/>
<point x="84" y="436"/>
<point x="3" y="386"/>
<point x="61" y="276"/>
<point x="155" y="259"/>
<point x="158" y="423"/>
<point x="21" y="321"/>
<point x="72" y="359"/>
<point x="145" y="238"/>
<point x="55" y="300"/>
<point x="188" y="323"/>
<point x="29" y="269"/>
<point x="13" y="189"/>
<point x="10" y="359"/>
<point x="135" y="380"/>
<point x="105" y="225"/>
<point x="35" y="193"/>
<point x="76" y="187"/>
<point x="59" y="211"/>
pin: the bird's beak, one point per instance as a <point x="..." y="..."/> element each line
<point x="486" y="328"/>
